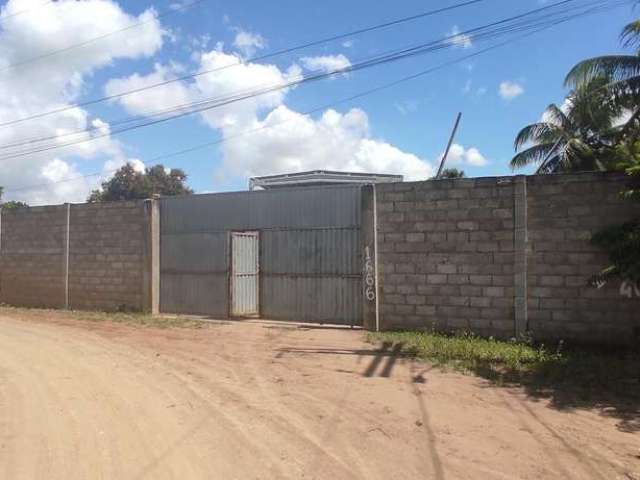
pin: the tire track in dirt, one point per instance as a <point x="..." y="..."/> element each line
<point x="275" y="426"/>
<point x="297" y="421"/>
<point x="101" y="400"/>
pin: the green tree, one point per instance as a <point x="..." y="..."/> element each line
<point x="621" y="71"/>
<point x="622" y="242"/>
<point x="11" y="204"/>
<point x="130" y="184"/>
<point x="622" y="74"/>
<point x="452" y="173"/>
<point x="573" y="138"/>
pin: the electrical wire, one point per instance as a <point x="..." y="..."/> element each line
<point x="26" y="10"/>
<point x="197" y="107"/>
<point x="252" y="59"/>
<point x="165" y="13"/>
<point x="307" y="113"/>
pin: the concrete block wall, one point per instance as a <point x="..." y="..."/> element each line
<point x="106" y="261"/>
<point x="502" y="256"/>
<point x="32" y="261"/>
<point x="563" y="213"/>
<point x="446" y="255"/>
<point x="108" y="256"/>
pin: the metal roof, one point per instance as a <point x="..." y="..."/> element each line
<point x="320" y="177"/>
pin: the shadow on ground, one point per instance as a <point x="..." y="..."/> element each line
<point x="605" y="381"/>
<point x="381" y="363"/>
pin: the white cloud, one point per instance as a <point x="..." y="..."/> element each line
<point x="264" y="136"/>
<point x="510" y="90"/>
<point x="326" y="63"/>
<point x="52" y="83"/>
<point x="459" y="155"/>
<point x="287" y="141"/>
<point x="246" y="77"/>
<point x="153" y="99"/>
<point x="459" y="40"/>
<point x="248" y="43"/>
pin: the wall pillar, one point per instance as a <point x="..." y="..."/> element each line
<point x="65" y="255"/>
<point x="520" y="258"/>
<point x="369" y="263"/>
<point x="151" y="258"/>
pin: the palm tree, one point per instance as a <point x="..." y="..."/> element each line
<point x="570" y="138"/>
<point x="622" y="71"/>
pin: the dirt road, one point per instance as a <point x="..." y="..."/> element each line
<point x="84" y="400"/>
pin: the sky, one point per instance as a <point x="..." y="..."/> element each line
<point x="57" y="56"/>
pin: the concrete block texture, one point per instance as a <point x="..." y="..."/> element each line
<point x="505" y="256"/>
<point x="105" y="265"/>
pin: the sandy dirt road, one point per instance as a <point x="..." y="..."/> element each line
<point x="260" y="400"/>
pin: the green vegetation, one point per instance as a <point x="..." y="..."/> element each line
<point x="451" y="173"/>
<point x="128" y="318"/>
<point x="597" y="128"/>
<point x="140" y="319"/>
<point x="575" y="137"/>
<point x="570" y="376"/>
<point x="11" y="204"/>
<point x="467" y="350"/>
<point x="131" y="184"/>
<point x="622" y="242"/>
<point x="599" y="122"/>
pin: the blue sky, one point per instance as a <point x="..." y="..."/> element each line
<point x="414" y="118"/>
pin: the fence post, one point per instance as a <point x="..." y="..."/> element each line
<point x="520" y="257"/>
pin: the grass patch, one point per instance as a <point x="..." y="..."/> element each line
<point x="128" y="318"/>
<point x="465" y="351"/>
<point x="571" y="377"/>
<point x="141" y="319"/>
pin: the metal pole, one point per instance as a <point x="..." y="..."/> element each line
<point x="446" y="152"/>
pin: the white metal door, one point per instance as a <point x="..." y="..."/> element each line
<point x="245" y="270"/>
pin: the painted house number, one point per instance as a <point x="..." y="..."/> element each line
<point x="628" y="289"/>
<point x="369" y="277"/>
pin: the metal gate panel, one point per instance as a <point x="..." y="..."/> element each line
<point x="310" y="253"/>
<point x="193" y="273"/>
<point x="245" y="271"/>
<point x="312" y="275"/>
<point x="313" y="299"/>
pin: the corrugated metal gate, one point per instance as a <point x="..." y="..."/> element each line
<point x="310" y="252"/>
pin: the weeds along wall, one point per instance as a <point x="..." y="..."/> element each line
<point x="504" y="256"/>
<point x="85" y="256"/>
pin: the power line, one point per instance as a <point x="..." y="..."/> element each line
<point x="252" y="59"/>
<point x="205" y="105"/>
<point x="165" y="13"/>
<point x="424" y="48"/>
<point x="307" y="113"/>
<point x="26" y="10"/>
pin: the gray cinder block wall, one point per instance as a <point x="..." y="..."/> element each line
<point x="107" y="265"/>
<point x="503" y="256"/>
